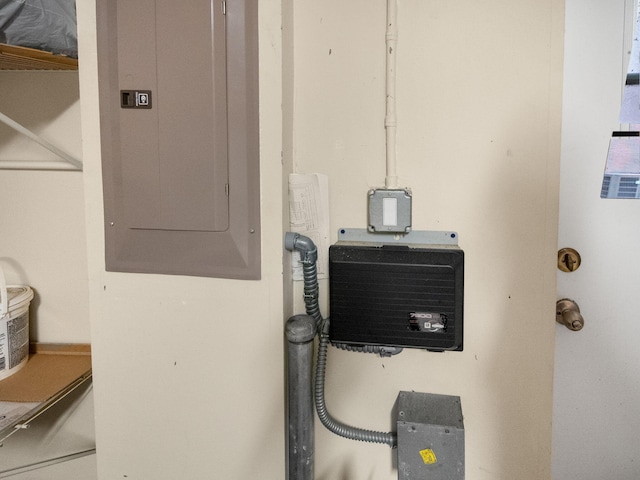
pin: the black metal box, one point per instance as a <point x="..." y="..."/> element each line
<point x="395" y="295"/>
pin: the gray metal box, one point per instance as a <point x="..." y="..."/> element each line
<point x="389" y="210"/>
<point x="180" y="138"/>
<point x="430" y="437"/>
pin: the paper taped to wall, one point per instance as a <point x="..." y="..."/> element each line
<point x="309" y="216"/>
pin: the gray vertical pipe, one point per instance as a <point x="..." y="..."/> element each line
<point x="301" y="330"/>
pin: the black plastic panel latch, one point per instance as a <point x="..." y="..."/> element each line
<point x="135" y="98"/>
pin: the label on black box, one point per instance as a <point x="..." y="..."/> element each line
<point x="428" y="322"/>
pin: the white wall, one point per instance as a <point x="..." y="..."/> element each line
<point x="597" y="386"/>
<point x="189" y="381"/>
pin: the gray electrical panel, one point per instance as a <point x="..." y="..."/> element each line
<point x="430" y="437"/>
<point x="180" y="136"/>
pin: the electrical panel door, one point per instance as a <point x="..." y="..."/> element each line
<point x="179" y="124"/>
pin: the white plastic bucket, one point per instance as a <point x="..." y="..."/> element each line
<point x="14" y="326"/>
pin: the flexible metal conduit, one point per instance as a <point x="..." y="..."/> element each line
<point x="308" y="254"/>
<point x="326" y="418"/>
<point x="377" y="349"/>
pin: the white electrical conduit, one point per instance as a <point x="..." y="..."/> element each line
<point x="391" y="180"/>
<point x="68" y="163"/>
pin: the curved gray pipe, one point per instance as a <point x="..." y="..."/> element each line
<point x="325" y="417"/>
<point x="309" y="256"/>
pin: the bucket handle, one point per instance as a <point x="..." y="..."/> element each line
<point x="4" y="297"/>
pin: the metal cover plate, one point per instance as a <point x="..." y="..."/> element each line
<point x="430" y="437"/>
<point x="415" y="237"/>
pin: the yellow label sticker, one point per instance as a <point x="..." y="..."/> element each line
<point x="428" y="456"/>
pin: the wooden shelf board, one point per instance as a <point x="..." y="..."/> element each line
<point x="46" y="372"/>
<point x="23" y="58"/>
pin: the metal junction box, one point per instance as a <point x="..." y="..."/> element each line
<point x="430" y="437"/>
<point x="396" y="295"/>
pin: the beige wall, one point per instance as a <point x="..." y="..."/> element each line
<point x="478" y="90"/>
<point x="42" y="243"/>
<point x="189" y="371"/>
